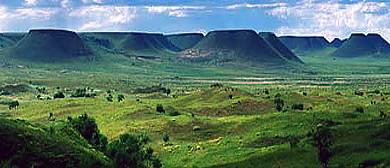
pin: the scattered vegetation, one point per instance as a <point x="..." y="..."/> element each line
<point x="130" y="151"/>
<point x="87" y="127"/>
<point x="59" y="95"/>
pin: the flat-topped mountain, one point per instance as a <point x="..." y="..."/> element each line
<point x="185" y="40"/>
<point x="360" y="45"/>
<point x="49" y="45"/>
<point x="236" y="45"/>
<point x="304" y="43"/>
<point x="131" y="43"/>
<point x="278" y="46"/>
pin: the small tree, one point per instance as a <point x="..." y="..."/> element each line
<point x="160" y="108"/>
<point x="110" y="98"/>
<point x="279" y="103"/>
<point x="121" y="98"/>
<point x="129" y="151"/>
<point x="322" y="139"/>
<point x="87" y="128"/>
<point x="13" y="104"/>
<point x="59" y="95"/>
<point x="166" y="138"/>
<point x="297" y="106"/>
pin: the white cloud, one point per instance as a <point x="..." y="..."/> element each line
<point x="333" y="19"/>
<point x="247" y="5"/>
<point x="92" y="1"/>
<point x="103" y="17"/>
<point x="31" y="2"/>
<point x="174" y="11"/>
<point x="64" y="3"/>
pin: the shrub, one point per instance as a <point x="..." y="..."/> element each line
<point x="359" y="93"/>
<point x="279" y="103"/>
<point x="174" y="113"/>
<point x="110" y="98"/>
<point x="59" y="95"/>
<point x="297" y="106"/>
<point x="360" y="109"/>
<point x="13" y="104"/>
<point x="79" y="92"/>
<point x="82" y="92"/>
<point x="160" y="108"/>
<point x="87" y="128"/>
<point x="129" y="151"/>
<point x="304" y="93"/>
<point x="121" y="98"/>
<point x="266" y="92"/>
<point x="230" y="96"/>
<point x="322" y="139"/>
<point x="166" y="138"/>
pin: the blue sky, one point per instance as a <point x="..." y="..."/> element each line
<point x="329" y="18"/>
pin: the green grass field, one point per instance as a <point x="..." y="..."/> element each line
<point x="211" y="129"/>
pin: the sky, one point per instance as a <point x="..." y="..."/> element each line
<point x="328" y="18"/>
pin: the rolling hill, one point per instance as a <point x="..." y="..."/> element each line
<point x="49" y="46"/>
<point x="185" y="40"/>
<point x="278" y="46"/>
<point x="360" y="45"/>
<point x="24" y="144"/>
<point x="235" y="45"/>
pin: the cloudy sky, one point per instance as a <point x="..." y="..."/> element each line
<point x="329" y="18"/>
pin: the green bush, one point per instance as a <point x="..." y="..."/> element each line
<point x="160" y="108"/>
<point x="297" y="106"/>
<point x="360" y="109"/>
<point x="322" y="138"/>
<point x="279" y="103"/>
<point x="174" y="113"/>
<point x="82" y="92"/>
<point x="130" y="151"/>
<point x="110" y="98"/>
<point x="59" y="95"/>
<point x="87" y="128"/>
<point x="166" y="138"/>
<point x="121" y="98"/>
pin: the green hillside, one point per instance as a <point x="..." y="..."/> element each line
<point x="130" y="43"/>
<point x="360" y="45"/>
<point x="31" y="145"/>
<point x="278" y="46"/>
<point x="185" y="40"/>
<point x="337" y="42"/>
<point x="237" y="45"/>
<point x="9" y="39"/>
<point x="49" y="46"/>
<point x="303" y="46"/>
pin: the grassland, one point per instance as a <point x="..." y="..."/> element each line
<point x="212" y="129"/>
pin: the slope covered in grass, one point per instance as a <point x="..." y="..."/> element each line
<point x="278" y="46"/>
<point x="9" y="39"/>
<point x="49" y="46"/>
<point x="131" y="43"/>
<point x="230" y="45"/>
<point x="337" y="42"/>
<point x="303" y="46"/>
<point x="28" y="145"/>
<point x="185" y="40"/>
<point x="360" y="45"/>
